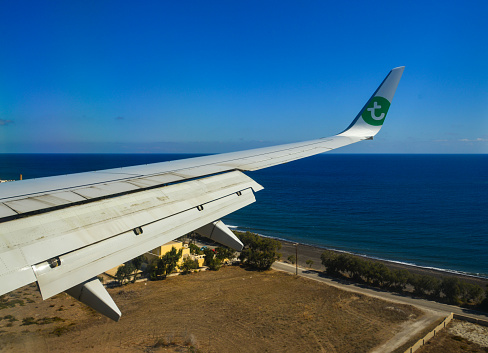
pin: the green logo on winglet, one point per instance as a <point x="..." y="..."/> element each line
<point x="375" y="112"/>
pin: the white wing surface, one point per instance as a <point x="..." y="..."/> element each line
<point x="62" y="231"/>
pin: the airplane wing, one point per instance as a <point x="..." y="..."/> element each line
<point x="62" y="231"/>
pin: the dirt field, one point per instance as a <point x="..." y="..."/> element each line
<point x="232" y="310"/>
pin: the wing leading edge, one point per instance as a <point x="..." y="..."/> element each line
<point x="62" y="231"/>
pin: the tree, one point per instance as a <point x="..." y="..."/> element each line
<point x="211" y="260"/>
<point x="379" y="274"/>
<point x="209" y="255"/>
<point x="162" y="267"/>
<point x="258" y="252"/>
<point x="309" y="263"/>
<point x="223" y="253"/>
<point x="124" y="272"/>
<point x="215" y="264"/>
<point x="329" y="260"/>
<point x="451" y="287"/>
<point x="354" y="265"/>
<point x="120" y="275"/>
<point x="292" y="259"/>
<point x="138" y="261"/>
<point x="470" y="293"/>
<point x="425" y="284"/>
<point x="400" y="279"/>
<point x="195" y="250"/>
<point x="188" y="265"/>
<point x="484" y="303"/>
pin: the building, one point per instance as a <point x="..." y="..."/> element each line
<point x="158" y="252"/>
<point x="163" y="249"/>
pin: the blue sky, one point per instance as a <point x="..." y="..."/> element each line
<point x="217" y="76"/>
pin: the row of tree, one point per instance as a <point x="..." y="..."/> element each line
<point x="447" y="289"/>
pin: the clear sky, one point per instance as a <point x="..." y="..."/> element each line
<point x="216" y="76"/>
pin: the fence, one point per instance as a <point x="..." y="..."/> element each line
<point x="470" y="319"/>
<point x="431" y="334"/>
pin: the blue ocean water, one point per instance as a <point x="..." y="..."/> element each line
<point x="427" y="210"/>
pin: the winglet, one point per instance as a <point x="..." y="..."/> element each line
<point x="370" y="119"/>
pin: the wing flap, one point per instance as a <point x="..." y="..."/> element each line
<point x="84" y="263"/>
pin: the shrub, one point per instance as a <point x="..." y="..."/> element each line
<point x="58" y="331"/>
<point x="49" y="320"/>
<point x="10" y="318"/>
<point x="5" y="303"/>
<point x="28" y="321"/>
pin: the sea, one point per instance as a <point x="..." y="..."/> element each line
<point x="420" y="209"/>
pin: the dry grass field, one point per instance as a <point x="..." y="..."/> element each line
<point x="232" y="310"/>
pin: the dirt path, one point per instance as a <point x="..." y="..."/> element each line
<point x="407" y="330"/>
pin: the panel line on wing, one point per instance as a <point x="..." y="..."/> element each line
<point x="90" y="200"/>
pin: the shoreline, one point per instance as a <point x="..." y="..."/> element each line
<point x="391" y="263"/>
<point x="311" y="252"/>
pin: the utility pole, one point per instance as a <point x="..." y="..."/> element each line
<point x="296" y="259"/>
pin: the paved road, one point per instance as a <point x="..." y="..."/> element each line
<point x="421" y="303"/>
